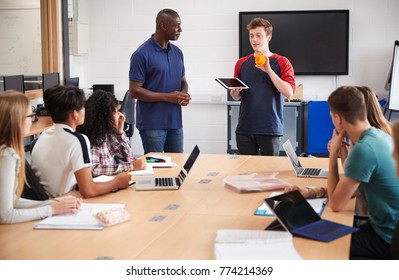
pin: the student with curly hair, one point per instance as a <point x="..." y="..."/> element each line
<point x="111" y="151"/>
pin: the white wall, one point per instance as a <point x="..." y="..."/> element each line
<point x="20" y="37"/>
<point x="210" y="44"/>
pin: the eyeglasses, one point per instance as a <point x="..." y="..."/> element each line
<point x="33" y="117"/>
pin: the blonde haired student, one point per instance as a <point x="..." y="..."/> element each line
<point x="15" y="121"/>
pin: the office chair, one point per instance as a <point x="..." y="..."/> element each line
<point x="128" y="108"/>
<point x="395" y="243"/>
<point x="33" y="189"/>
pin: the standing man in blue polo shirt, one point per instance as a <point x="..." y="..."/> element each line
<point x="157" y="80"/>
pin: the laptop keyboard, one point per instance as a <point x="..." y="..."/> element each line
<point x="164" y="182"/>
<point x="321" y="228"/>
<point x="311" y="171"/>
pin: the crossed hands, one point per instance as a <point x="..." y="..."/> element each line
<point x="181" y="98"/>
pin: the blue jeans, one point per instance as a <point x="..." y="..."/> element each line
<point x="162" y="140"/>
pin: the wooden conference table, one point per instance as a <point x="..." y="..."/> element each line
<point x="178" y="224"/>
<point x="41" y="125"/>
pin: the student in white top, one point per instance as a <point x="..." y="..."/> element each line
<point x="15" y="121"/>
<point x="61" y="156"/>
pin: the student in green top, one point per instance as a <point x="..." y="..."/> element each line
<point x="369" y="168"/>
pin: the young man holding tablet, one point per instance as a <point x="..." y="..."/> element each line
<point x="270" y="78"/>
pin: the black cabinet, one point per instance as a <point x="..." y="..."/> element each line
<point x="293" y="126"/>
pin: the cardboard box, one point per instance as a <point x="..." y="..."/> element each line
<point x="298" y="94"/>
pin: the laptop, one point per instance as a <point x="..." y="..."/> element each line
<point x="297" y="216"/>
<point x="299" y="170"/>
<point x="169" y="182"/>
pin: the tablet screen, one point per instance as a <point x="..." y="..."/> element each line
<point x="230" y="83"/>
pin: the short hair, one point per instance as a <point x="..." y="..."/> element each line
<point x="261" y="22"/>
<point x="164" y="16"/>
<point x="348" y="102"/>
<point x="99" y="119"/>
<point x="61" y="100"/>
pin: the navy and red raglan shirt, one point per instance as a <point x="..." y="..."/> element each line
<point x="261" y="109"/>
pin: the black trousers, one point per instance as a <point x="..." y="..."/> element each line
<point x="255" y="144"/>
<point x="367" y="244"/>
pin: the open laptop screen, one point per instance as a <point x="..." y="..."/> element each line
<point x="189" y="163"/>
<point x="289" y="150"/>
<point x="293" y="210"/>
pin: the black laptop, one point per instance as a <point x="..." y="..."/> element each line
<point x="297" y="216"/>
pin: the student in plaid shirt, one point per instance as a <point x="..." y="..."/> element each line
<point x="111" y="151"/>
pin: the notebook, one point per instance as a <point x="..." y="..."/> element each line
<point x="297" y="216"/>
<point x="169" y="182"/>
<point x="299" y="170"/>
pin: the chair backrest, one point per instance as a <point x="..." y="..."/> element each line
<point x="50" y="79"/>
<point x="128" y="108"/>
<point x="395" y="243"/>
<point x="33" y="189"/>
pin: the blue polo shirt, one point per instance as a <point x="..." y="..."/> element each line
<point x="261" y="108"/>
<point x="160" y="70"/>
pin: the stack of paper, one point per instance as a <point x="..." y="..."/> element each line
<point x="317" y="204"/>
<point x="147" y="171"/>
<point x="82" y="219"/>
<point x="167" y="164"/>
<point x="254" y="245"/>
<point x="255" y="182"/>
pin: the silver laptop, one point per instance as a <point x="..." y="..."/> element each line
<point x="299" y="170"/>
<point x="169" y="182"/>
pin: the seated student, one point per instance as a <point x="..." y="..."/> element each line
<point x="61" y="157"/>
<point x="369" y="168"/>
<point x="15" y="122"/>
<point x="376" y="119"/>
<point x="111" y="152"/>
